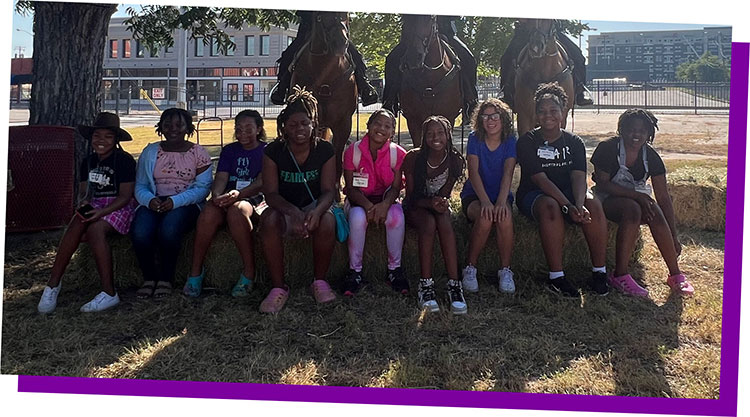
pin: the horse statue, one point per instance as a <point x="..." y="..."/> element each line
<point x="323" y="66"/>
<point x="430" y="83"/>
<point x="541" y="60"/>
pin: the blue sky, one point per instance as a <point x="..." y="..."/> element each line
<point x="22" y="27"/>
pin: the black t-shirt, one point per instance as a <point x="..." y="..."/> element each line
<point x="556" y="159"/>
<point x="605" y="159"/>
<point x="291" y="183"/>
<point x="104" y="177"/>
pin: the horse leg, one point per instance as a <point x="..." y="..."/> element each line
<point x="341" y="132"/>
<point x="415" y="130"/>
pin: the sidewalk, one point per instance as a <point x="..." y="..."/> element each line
<point x="20" y="117"/>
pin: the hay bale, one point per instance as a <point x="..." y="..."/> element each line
<point x="699" y="197"/>
<point x="223" y="264"/>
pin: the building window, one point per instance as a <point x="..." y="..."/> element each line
<point x="169" y="50"/>
<point x="249" y="45"/>
<point x="289" y="40"/>
<point x="214" y="47"/>
<point x="126" y="48"/>
<point x="139" y="51"/>
<point x="265" y="45"/>
<point x="232" y="92"/>
<point x="231" y="72"/>
<point x="154" y="53"/>
<point x="198" y="46"/>
<point x="113" y="48"/>
<point x="251" y="72"/>
<point x="232" y="47"/>
<point x="248" y="92"/>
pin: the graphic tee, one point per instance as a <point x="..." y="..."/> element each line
<point x="491" y="165"/>
<point x="292" y="182"/>
<point x="556" y="159"/>
<point x="104" y="177"/>
<point x="241" y="165"/>
<point x="606" y="154"/>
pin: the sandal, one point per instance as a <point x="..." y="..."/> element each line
<point x="146" y="290"/>
<point x="193" y="285"/>
<point x="163" y="289"/>
<point x="243" y="287"/>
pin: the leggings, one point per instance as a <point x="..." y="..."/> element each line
<point x="394" y="232"/>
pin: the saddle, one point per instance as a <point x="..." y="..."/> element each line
<point x="324" y="90"/>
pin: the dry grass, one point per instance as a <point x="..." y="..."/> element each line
<point x="532" y="341"/>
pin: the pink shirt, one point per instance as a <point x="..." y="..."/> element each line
<point x="175" y="171"/>
<point x="380" y="174"/>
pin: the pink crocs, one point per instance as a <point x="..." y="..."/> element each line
<point x="274" y="301"/>
<point x="680" y="284"/>
<point x="627" y="284"/>
<point x="322" y="291"/>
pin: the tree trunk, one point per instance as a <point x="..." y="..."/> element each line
<point x="69" y="40"/>
<point x="68" y="59"/>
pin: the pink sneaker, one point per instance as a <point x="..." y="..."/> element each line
<point x="680" y="284"/>
<point x="627" y="284"/>
<point x="274" y="301"/>
<point x="322" y="291"/>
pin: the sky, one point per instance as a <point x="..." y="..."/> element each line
<point x="22" y="40"/>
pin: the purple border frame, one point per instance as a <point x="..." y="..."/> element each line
<point x="726" y="405"/>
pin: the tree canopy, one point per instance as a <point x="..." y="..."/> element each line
<point x="708" y="68"/>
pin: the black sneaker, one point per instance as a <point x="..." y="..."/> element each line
<point x="352" y="283"/>
<point x="278" y="94"/>
<point x="598" y="283"/>
<point x="426" y="296"/>
<point x="456" y="297"/>
<point x="562" y="286"/>
<point x="369" y="96"/>
<point x="398" y="281"/>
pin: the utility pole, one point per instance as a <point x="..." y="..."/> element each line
<point x="181" y="52"/>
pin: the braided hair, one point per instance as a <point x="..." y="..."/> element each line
<point x="300" y="101"/>
<point x="646" y="116"/>
<point x="456" y="161"/>
<point x="505" y="118"/>
<point x="168" y="114"/>
<point x="550" y="91"/>
<point x="382" y="112"/>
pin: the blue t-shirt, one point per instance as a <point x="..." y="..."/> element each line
<point x="491" y="165"/>
<point x="241" y="164"/>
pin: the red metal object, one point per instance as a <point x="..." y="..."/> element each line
<point x="40" y="162"/>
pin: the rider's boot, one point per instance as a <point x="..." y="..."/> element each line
<point x="366" y="91"/>
<point x="278" y="92"/>
<point x="467" y="112"/>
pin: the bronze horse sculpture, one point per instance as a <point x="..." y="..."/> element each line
<point x="541" y="60"/>
<point x="324" y="67"/>
<point x="431" y="84"/>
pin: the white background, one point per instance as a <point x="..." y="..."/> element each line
<point x="717" y="12"/>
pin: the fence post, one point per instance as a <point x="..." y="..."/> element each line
<point x="695" y="95"/>
<point x="645" y="95"/>
<point x="130" y="94"/>
<point x="598" y="98"/>
<point x="264" y="103"/>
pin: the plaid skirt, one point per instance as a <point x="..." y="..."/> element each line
<point x="119" y="219"/>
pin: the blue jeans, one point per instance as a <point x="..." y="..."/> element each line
<point x="160" y="235"/>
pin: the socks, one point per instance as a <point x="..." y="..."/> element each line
<point x="602" y="269"/>
<point x="558" y="274"/>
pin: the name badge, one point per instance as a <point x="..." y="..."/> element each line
<point x="360" y="179"/>
<point x="242" y="184"/>
<point x="547" y="152"/>
<point x="98" y="178"/>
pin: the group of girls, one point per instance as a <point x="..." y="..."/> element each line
<point x="288" y="186"/>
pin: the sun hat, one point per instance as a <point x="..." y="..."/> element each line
<point x="106" y="120"/>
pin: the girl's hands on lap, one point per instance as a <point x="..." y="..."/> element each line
<point x="154" y="204"/>
<point x="487" y="211"/>
<point x="227" y="199"/>
<point x="166" y="205"/>
<point x="503" y="212"/>
<point x="299" y="226"/>
<point x="440" y="204"/>
<point x="647" y="206"/>
<point x="378" y="213"/>
<point x="312" y="220"/>
<point x="94" y="215"/>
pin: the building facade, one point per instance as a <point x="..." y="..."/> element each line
<point x="653" y="55"/>
<point x="242" y="75"/>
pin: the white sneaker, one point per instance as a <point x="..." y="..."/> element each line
<point x="469" y="279"/>
<point x="505" y="279"/>
<point x="48" y="302"/>
<point x="426" y="296"/>
<point x="101" y="302"/>
<point x="456" y="297"/>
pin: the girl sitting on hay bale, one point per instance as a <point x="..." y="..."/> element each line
<point x="431" y="172"/>
<point x="107" y="179"/>
<point x="486" y="198"/>
<point x="553" y="191"/>
<point x="172" y="183"/>
<point x="236" y="190"/>
<point x="299" y="182"/>
<point x="372" y="173"/>
<point x="622" y="165"/>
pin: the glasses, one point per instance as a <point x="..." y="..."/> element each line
<point x="494" y="117"/>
